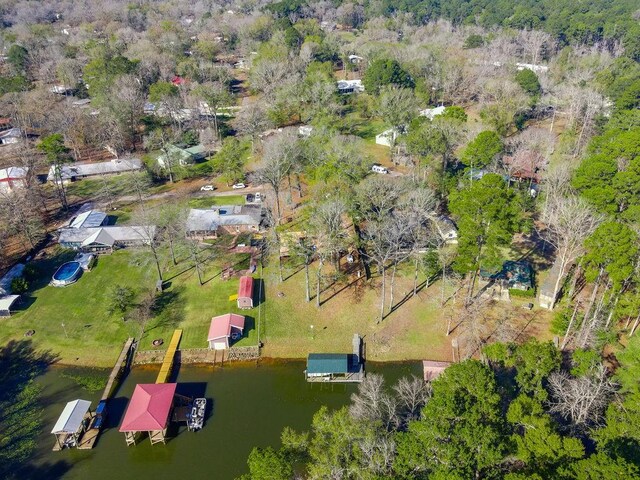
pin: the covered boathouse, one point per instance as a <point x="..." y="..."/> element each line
<point x="337" y="367"/>
<point x="149" y="411"/>
<point x="72" y="423"/>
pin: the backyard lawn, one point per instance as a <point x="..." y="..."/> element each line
<point x="91" y="336"/>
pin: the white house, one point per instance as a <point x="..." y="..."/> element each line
<point x="350" y="86"/>
<point x="431" y="113"/>
<point x="446" y="229"/>
<point x="13" y="135"/>
<point x="388" y="137"/>
<point x="305" y="130"/>
<point x="532" y="67"/>
<point x="12" y="178"/>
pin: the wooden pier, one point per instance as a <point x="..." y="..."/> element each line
<point x="117" y="368"/>
<point x="89" y="437"/>
<point x="167" y="363"/>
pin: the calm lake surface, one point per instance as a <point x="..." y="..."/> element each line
<point x="251" y="406"/>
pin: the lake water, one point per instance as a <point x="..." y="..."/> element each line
<point x="251" y="405"/>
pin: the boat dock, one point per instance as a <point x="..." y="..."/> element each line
<point x="337" y="367"/>
<point x="90" y="436"/>
<point x="167" y="363"/>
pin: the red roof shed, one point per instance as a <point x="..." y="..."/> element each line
<point x="149" y="407"/>
<point x="245" y="292"/>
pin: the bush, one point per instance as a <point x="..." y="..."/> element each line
<point x="529" y="293"/>
<point x="473" y="41"/>
<point x="19" y="286"/>
<point x="30" y="272"/>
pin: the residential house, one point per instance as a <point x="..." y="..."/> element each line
<point x="229" y="219"/>
<point x="350" y="86"/>
<point x="446" y="229"/>
<point x="12" y="178"/>
<point x="182" y="156"/>
<point x="388" y="137"/>
<point x="305" y="130"/>
<point x="89" y="219"/>
<point x="432" y="113"/>
<point x="513" y="275"/>
<point x="13" y="135"/>
<point x="223" y="328"/>
<point x="106" y="238"/>
<point x="77" y="171"/>
<point x="548" y="294"/>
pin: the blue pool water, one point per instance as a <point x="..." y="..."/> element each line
<point x="67" y="271"/>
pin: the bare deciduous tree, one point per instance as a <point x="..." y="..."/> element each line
<point x="581" y="400"/>
<point x="570" y="220"/>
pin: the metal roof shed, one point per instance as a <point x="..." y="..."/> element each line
<point x="71" y="422"/>
<point x="245" y="292"/>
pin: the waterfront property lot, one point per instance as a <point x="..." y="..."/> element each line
<point x="93" y="336"/>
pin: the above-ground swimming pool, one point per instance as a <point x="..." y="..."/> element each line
<point x="66" y="274"/>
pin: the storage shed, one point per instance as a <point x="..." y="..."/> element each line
<point x="245" y="292"/>
<point x="223" y="328"/>
<point x="7" y="303"/>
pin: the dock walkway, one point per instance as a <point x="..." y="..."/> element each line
<point x="167" y="363"/>
<point x="115" y="373"/>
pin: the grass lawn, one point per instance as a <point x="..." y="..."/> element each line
<point x="207" y="202"/>
<point x="93" y="337"/>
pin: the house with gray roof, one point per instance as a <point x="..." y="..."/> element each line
<point x="226" y="219"/>
<point x="106" y="238"/>
<point x="77" y="171"/>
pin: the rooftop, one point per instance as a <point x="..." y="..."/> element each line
<point x="221" y="325"/>
<point x="107" y="235"/>
<point x="322" y="363"/>
<point x="149" y="407"/>
<point x="71" y="417"/>
<point x="88" y="219"/>
<point x="117" y="165"/>
<point x="210" y="219"/>
<point x="13" y="173"/>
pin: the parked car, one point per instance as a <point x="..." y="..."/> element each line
<point x="379" y="169"/>
<point x="250" y="198"/>
<point x="207" y="188"/>
<point x="239" y="186"/>
<point x="258" y="197"/>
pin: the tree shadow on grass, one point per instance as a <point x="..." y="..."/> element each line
<point x="45" y="268"/>
<point x="20" y="406"/>
<point x="168" y="310"/>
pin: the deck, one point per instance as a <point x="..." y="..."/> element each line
<point x="167" y="363"/>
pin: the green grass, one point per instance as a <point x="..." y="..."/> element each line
<point x="207" y="202"/>
<point x="91" y="336"/>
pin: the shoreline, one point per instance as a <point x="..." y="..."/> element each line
<point x="239" y="363"/>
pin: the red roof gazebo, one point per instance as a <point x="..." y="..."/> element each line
<point x="149" y="411"/>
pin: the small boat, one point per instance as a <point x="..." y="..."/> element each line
<point x="196" y="417"/>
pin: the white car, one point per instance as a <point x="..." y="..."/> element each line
<point x="207" y="188"/>
<point x="258" y="197"/>
<point x="239" y="186"/>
